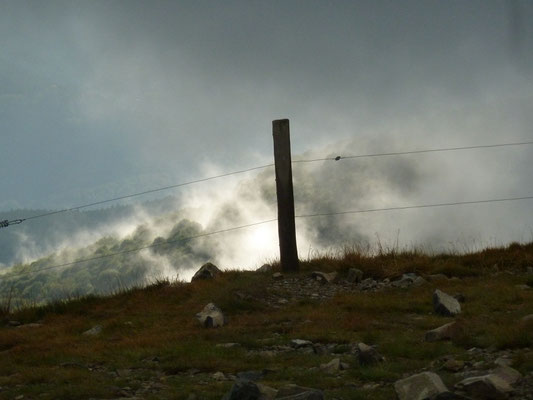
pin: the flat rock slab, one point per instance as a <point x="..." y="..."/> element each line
<point x="444" y="304"/>
<point x="94" y="331"/>
<point x="487" y="387"/>
<point x="443" y="332"/>
<point x="420" y="386"/>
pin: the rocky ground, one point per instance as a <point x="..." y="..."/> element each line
<point x="478" y="373"/>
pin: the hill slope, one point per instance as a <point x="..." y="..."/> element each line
<point x="151" y="346"/>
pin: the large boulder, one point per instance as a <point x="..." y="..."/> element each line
<point x="243" y="390"/>
<point x="421" y="386"/>
<point x="206" y="271"/>
<point x="444" y="304"/>
<point x="211" y="317"/>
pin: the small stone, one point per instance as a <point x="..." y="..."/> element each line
<point x="32" y="325"/>
<point x="443" y="332"/>
<point x="420" y="386"/>
<point x="508" y="374"/>
<point x="219" y="376"/>
<point x="368" y="355"/>
<point x="295" y="392"/>
<point x="333" y="367"/>
<point x="454" y="365"/>
<point x="206" y="271"/>
<point x="277" y="276"/>
<point x="298" y="343"/>
<point x="211" y="316"/>
<point x="324" y="277"/>
<point x="445" y="304"/>
<point x="527" y="318"/>
<point x="490" y="387"/>
<point x="419" y="281"/>
<point x="354" y="275"/>
<point x="503" y="362"/>
<point x="228" y="345"/>
<point x="265" y="268"/>
<point x="94" y="331"/>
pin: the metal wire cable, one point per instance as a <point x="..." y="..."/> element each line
<point x="337" y="158"/>
<point x="456" y="203"/>
<point x="399" y="153"/>
<point x="146" y="192"/>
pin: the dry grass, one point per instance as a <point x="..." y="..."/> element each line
<point x="158" y="321"/>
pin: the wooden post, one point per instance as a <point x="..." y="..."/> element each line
<point x="286" y="225"/>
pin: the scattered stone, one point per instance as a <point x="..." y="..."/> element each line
<point x="445" y="304"/>
<point x="454" y="365"/>
<point x="211" y="317"/>
<point x="420" y="386"/>
<point x="527" y="318"/>
<point x="508" y="374"/>
<point x="228" y="345"/>
<point x="32" y="325"/>
<point x="368" y="355"/>
<point x="219" y="376"/>
<point x="250" y="375"/>
<point x="295" y="392"/>
<point x="243" y="390"/>
<point x="277" y="276"/>
<point x="206" y="271"/>
<point x="298" y="343"/>
<point x="334" y="366"/>
<point x="368" y="284"/>
<point x="443" y="332"/>
<point x="485" y="387"/>
<point x="437" y="277"/>
<point x="503" y="362"/>
<point x="94" y="331"/>
<point x="354" y="275"/>
<point x="324" y="277"/>
<point x="265" y="268"/>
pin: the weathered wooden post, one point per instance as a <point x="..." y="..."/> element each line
<point x="285" y="195"/>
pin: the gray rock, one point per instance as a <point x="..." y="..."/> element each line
<point x="443" y="332"/>
<point x="277" y="276"/>
<point x="206" y="271"/>
<point x="527" y="318"/>
<point x="489" y="387"/>
<point x="228" y="345"/>
<point x="265" y="268"/>
<point x="420" y="387"/>
<point x="445" y="304"/>
<point x="419" y="281"/>
<point x="368" y="355"/>
<point x="508" y="374"/>
<point x="243" y="390"/>
<point x="94" y="331"/>
<point x="334" y="366"/>
<point x="503" y="362"/>
<point x="219" y="376"/>
<point x="354" y="275"/>
<point x="211" y="317"/>
<point x="250" y="375"/>
<point x="295" y="392"/>
<point x="324" y="277"/>
<point x="298" y="343"/>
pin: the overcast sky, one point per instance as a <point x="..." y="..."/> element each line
<point x="104" y="98"/>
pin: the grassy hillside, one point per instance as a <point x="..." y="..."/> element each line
<point x="151" y="346"/>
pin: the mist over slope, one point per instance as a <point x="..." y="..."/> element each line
<point x="160" y="226"/>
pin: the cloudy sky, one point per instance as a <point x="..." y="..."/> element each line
<point x="103" y="98"/>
